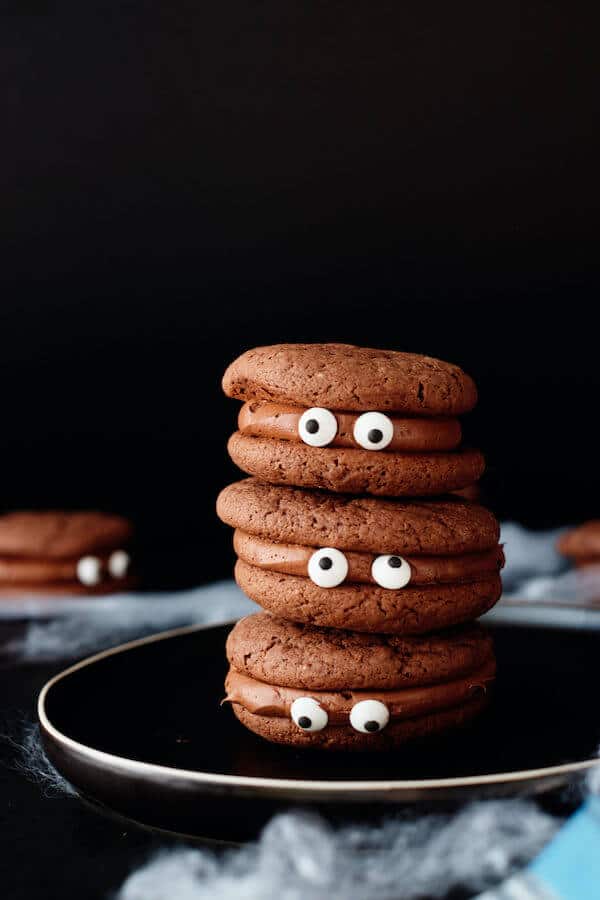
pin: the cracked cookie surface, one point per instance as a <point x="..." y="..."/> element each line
<point x="365" y="607"/>
<point x="286" y="653"/>
<point x="448" y="526"/>
<point x="345" y="377"/>
<point x="353" y="471"/>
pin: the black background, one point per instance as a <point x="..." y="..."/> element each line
<point x="182" y="181"/>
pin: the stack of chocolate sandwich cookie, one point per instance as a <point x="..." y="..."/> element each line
<point x="370" y="573"/>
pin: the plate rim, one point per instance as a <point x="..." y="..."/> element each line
<point x="289" y="785"/>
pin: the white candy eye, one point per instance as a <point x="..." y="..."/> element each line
<point x="391" y="572"/>
<point x="369" y="716"/>
<point x="373" y="431"/>
<point x="327" y="567"/>
<point x="88" y="570"/>
<point x="118" y="563"/>
<point x="308" y="714"/>
<point x="317" y="427"/>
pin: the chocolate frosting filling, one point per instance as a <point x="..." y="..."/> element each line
<point x="22" y="570"/>
<point x="280" y="421"/>
<point x="292" y="559"/>
<point x="262" y="699"/>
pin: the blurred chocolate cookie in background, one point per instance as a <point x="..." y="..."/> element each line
<point x="581" y="545"/>
<point x="62" y="552"/>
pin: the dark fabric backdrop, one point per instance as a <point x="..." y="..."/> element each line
<point x="180" y="181"/>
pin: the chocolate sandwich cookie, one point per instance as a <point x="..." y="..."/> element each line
<point x="352" y="420"/>
<point x="58" y="552"/>
<point x="581" y="545"/>
<point x="309" y="686"/>
<point x="364" y="563"/>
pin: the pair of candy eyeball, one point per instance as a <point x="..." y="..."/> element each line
<point x="366" y="716"/>
<point x="328" y="567"/>
<point x="89" y="568"/>
<point x="318" y="427"/>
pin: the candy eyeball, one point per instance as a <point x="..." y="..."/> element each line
<point x="327" y="567"/>
<point x="308" y="714"/>
<point x="391" y="572"/>
<point x="317" y="427"/>
<point x="118" y="563"/>
<point x="373" y="431"/>
<point x="369" y="716"/>
<point x="89" y="570"/>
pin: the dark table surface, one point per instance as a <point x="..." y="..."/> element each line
<point x="54" y="845"/>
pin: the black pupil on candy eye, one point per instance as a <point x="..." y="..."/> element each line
<point x="304" y="722"/>
<point x="312" y="426"/>
<point x="375" y="435"/>
<point x="394" y="562"/>
<point x="325" y="562"/>
<point x="372" y="725"/>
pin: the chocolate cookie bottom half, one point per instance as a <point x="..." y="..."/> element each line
<point x="345" y="470"/>
<point x="363" y="607"/>
<point x="344" y="738"/>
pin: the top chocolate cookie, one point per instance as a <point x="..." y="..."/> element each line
<point x="345" y="377"/>
<point x="60" y="534"/>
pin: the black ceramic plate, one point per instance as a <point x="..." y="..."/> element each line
<point x="139" y="729"/>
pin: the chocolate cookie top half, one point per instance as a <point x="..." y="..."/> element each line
<point x="345" y="377"/>
<point x="448" y="526"/>
<point x="58" y="534"/>
<point x="285" y="653"/>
